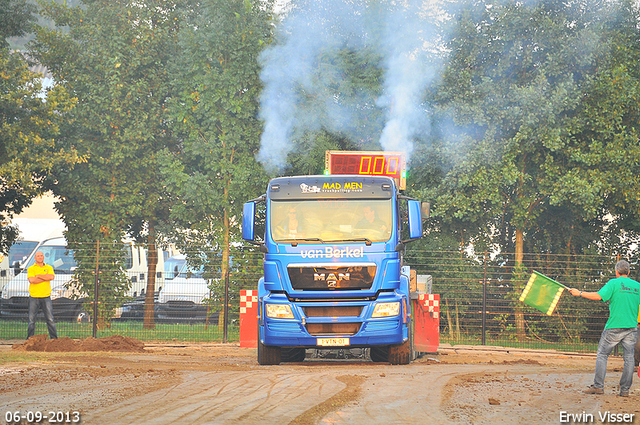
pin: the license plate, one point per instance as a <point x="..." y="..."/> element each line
<point x="333" y="342"/>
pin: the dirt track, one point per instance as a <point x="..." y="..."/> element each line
<point x="223" y="384"/>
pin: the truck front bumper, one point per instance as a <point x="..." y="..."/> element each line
<point x="360" y="329"/>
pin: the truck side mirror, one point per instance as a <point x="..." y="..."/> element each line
<point x="415" y="219"/>
<point x="248" y="221"/>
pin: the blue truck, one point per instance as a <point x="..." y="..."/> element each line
<point x="334" y="276"/>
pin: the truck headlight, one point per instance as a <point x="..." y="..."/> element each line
<point x="279" y="311"/>
<point x="386" y="309"/>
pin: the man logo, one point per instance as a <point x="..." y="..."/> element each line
<point x="332" y="279"/>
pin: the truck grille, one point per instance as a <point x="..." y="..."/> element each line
<point x="353" y="311"/>
<point x="317" y="329"/>
<point x="331" y="278"/>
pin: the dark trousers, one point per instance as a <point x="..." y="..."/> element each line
<point x="46" y="305"/>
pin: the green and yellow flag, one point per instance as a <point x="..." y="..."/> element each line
<point x="542" y="293"/>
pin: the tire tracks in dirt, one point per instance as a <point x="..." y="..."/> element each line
<point x="222" y="384"/>
<point x="350" y="393"/>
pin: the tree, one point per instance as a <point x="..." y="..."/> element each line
<point x="30" y="120"/>
<point x="16" y="18"/>
<point x="515" y="81"/>
<point x="215" y="112"/>
<point x="114" y="58"/>
<point x="604" y="147"/>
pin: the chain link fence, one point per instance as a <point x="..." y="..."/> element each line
<point x="183" y="300"/>
<point x="479" y="296"/>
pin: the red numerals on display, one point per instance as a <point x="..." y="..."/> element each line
<point x="367" y="165"/>
<point x="379" y="165"/>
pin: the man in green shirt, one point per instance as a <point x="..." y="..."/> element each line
<point x="623" y="295"/>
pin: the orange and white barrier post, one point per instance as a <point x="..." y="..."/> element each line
<point x="426" y="322"/>
<point x="248" y="318"/>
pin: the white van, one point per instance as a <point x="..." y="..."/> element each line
<point x="32" y="231"/>
<point x="184" y="293"/>
<point x="67" y="300"/>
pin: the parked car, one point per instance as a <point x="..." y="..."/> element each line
<point x="134" y="310"/>
<point x="184" y="293"/>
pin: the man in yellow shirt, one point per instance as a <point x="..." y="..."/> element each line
<point x="40" y="275"/>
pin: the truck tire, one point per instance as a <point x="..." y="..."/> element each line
<point x="292" y="354"/>
<point x="379" y="353"/>
<point x="400" y="354"/>
<point x="267" y="354"/>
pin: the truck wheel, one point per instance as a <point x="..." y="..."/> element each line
<point x="400" y="354"/>
<point x="293" y="354"/>
<point x="379" y="353"/>
<point x="267" y="354"/>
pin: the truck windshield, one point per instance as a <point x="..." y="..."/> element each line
<point x="331" y="220"/>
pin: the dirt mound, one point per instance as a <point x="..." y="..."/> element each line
<point x="109" y="343"/>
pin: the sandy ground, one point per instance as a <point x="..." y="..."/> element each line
<point x="126" y="383"/>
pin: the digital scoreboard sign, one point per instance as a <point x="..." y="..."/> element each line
<point x="390" y="164"/>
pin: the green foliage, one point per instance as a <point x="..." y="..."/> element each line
<point x="30" y="124"/>
<point x="16" y="19"/>
<point x="152" y="127"/>
<point x="215" y="115"/>
<point x="605" y="134"/>
<point x="113" y="58"/>
<point x="113" y="284"/>
<point x="528" y="147"/>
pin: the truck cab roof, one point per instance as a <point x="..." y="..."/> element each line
<point x="331" y="186"/>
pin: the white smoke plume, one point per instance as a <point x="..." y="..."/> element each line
<point x="407" y="39"/>
<point x="403" y="36"/>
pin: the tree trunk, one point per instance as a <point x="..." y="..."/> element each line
<point x="225" y="260"/>
<point x="451" y="331"/>
<point x="519" y="311"/>
<point x="457" y="323"/>
<point x="152" y="262"/>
